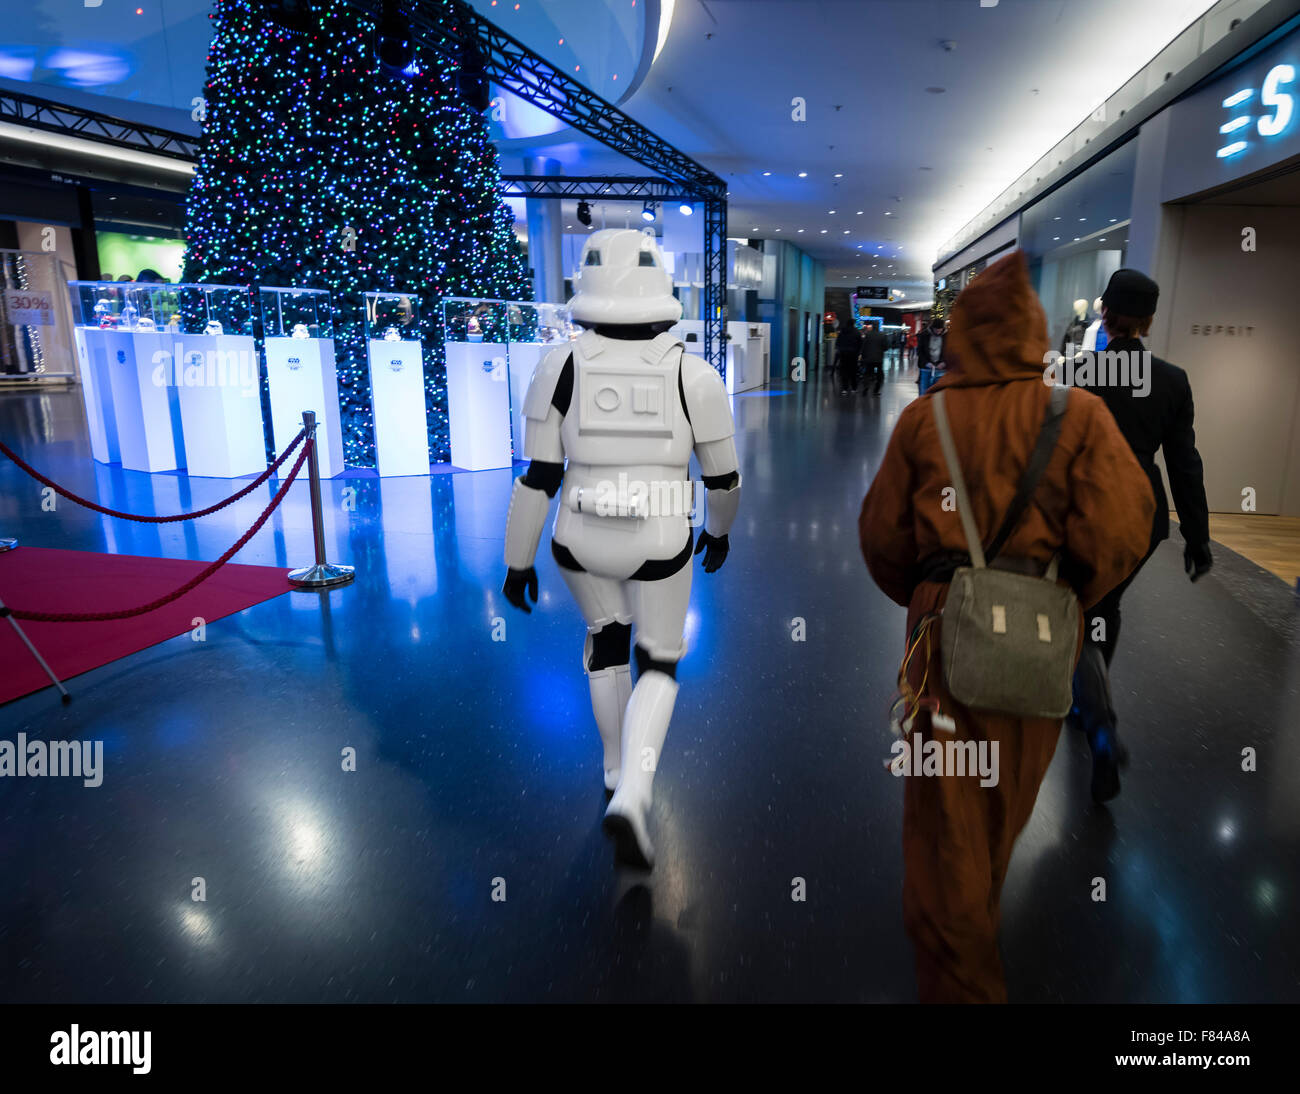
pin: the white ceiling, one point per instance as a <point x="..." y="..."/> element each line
<point x="918" y="164"/>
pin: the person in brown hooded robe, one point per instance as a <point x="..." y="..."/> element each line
<point x="1093" y="504"/>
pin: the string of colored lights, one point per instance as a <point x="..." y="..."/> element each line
<point x="319" y="169"/>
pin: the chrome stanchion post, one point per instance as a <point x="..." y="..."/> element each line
<point x="321" y="575"/>
<point x="7" y="614"/>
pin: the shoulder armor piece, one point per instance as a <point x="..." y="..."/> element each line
<point x="590" y="344"/>
<point x="541" y="388"/>
<point x="707" y="403"/>
<point x="659" y="347"/>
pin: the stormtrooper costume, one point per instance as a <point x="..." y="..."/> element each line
<point x="625" y="407"/>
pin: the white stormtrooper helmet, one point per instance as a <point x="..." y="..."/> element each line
<point x="622" y="281"/>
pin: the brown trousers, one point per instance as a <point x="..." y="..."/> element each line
<point x="958" y="837"/>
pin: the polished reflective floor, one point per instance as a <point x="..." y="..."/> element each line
<point x="478" y="768"/>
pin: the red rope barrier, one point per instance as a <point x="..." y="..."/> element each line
<point x="126" y="613"/>
<point x="4" y="448"/>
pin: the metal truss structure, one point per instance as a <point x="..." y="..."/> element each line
<point x="453" y="27"/>
<point x="511" y="65"/>
<point x="76" y="121"/>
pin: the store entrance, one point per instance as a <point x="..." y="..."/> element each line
<point x="1229" y="319"/>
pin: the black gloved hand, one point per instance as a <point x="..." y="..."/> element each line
<point x="516" y="582"/>
<point x="715" y="548"/>
<point x="1197" y="560"/>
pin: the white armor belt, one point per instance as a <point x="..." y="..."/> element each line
<point x="629" y="499"/>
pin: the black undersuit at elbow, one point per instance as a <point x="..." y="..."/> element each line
<point x="542" y="475"/>
<point x="721" y="482"/>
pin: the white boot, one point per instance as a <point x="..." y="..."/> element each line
<point x="645" y="725"/>
<point x="610" y="690"/>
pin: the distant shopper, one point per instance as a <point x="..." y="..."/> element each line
<point x="848" y="347"/>
<point x="874" y="345"/>
<point x="1151" y="418"/>
<point x="931" y="346"/>
<point x="1093" y="504"/>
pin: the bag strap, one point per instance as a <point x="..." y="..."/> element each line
<point x="972" y="533"/>
<point x="1048" y="435"/>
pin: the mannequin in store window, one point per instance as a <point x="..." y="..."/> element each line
<point x="1072" y="340"/>
<point x="626" y="408"/>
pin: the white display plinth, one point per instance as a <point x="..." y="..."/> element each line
<point x="301" y="376"/>
<point x="397" y="396"/>
<point x="478" y="405"/>
<point x="524" y="359"/>
<point x="97" y="393"/>
<point x="145" y="406"/>
<point x="221" y="405"/>
<point x="746" y="357"/>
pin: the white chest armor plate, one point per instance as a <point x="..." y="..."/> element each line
<point x="626" y="408"/>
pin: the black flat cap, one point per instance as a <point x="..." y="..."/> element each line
<point x="1131" y="292"/>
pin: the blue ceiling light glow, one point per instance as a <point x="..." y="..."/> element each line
<point x="648" y="212"/>
<point x="686" y="209"/>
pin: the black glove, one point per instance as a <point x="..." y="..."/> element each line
<point x="716" y="553"/>
<point x="516" y="582"/>
<point x="1197" y="560"/>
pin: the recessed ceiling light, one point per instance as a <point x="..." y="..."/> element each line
<point x="832" y="212"/>
<point x="823" y="231"/>
<point x="803" y="174"/>
<point x="1112" y="220"/>
<point x="766" y="174"/>
<point x="801" y="230"/>
<point x="1082" y="220"/>
<point x="1056" y="218"/>
<point x="888" y="213"/>
<point x="839" y="175"/>
<point x="1055" y="238"/>
<point x="846" y="231"/>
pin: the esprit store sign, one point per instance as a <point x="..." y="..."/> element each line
<point x="1269" y="116"/>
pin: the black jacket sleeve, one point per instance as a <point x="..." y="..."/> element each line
<point x="1186" y="473"/>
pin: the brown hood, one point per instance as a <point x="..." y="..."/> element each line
<point x="998" y="331"/>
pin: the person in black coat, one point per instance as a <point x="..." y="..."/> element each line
<point x="1154" y="411"/>
<point x="847" y="348"/>
<point x="874" y="345"/>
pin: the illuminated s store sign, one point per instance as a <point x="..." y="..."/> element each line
<point x="1263" y="112"/>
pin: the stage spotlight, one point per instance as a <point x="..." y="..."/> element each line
<point x="584" y="214"/>
<point x="648" y="212"/>
<point x="686" y="208"/>
<point x="395" y="48"/>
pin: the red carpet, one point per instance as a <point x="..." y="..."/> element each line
<point x="42" y="579"/>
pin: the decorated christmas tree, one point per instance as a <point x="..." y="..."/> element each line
<point x="321" y="168"/>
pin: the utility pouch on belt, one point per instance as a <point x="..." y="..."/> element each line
<point x="1007" y="640"/>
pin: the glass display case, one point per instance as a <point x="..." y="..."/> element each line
<point x="213" y="310"/>
<point x="396" y="361"/>
<point x="534" y="330"/>
<point x="298" y="338"/>
<point x="218" y="376"/>
<point x="392" y="317"/>
<point x="128" y="379"/>
<point x="296" y="313"/>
